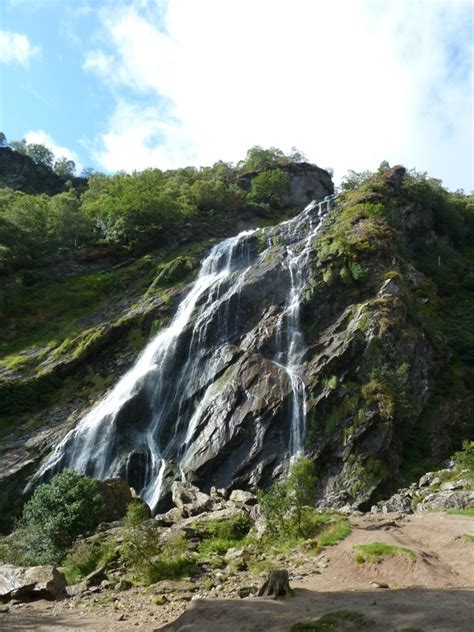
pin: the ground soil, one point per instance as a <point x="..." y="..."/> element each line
<point x="435" y="591"/>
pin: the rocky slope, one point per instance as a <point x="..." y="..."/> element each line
<point x="371" y="358"/>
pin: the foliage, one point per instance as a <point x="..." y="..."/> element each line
<point x="465" y="458"/>
<point x="146" y="559"/>
<point x="468" y="511"/>
<point x="282" y="505"/>
<point x="86" y="557"/>
<point x="137" y="514"/>
<point x="353" y="179"/>
<point x="69" y="506"/>
<point x="258" y="158"/>
<point x="270" y="187"/>
<point x="376" y="551"/>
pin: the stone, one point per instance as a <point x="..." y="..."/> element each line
<point x="239" y="496"/>
<point x="233" y="554"/>
<point x="117" y="496"/>
<point x="76" y="589"/>
<point x="123" y="584"/>
<point x="189" y="499"/>
<point x="17" y="582"/>
<point x="440" y="501"/>
<point x="170" y="517"/>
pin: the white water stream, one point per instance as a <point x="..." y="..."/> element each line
<point x="158" y="391"/>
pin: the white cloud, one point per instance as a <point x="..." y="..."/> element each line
<point x="16" y="48"/>
<point x="40" y="137"/>
<point x="350" y="83"/>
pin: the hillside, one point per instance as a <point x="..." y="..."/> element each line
<point x="385" y="314"/>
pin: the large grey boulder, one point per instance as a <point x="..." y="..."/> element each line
<point x="189" y="499"/>
<point x="18" y="582"/>
<point x="441" y="501"/>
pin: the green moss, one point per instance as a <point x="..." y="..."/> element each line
<point x="377" y="551"/>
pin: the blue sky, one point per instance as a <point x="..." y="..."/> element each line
<point x="153" y="83"/>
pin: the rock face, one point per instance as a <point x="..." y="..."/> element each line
<point x="306" y="182"/>
<point x="299" y="337"/>
<point x="21" y="173"/>
<point x="40" y="582"/>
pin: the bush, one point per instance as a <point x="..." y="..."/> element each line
<point x="465" y="458"/>
<point x="283" y="504"/>
<point x="69" y="506"/>
<point x="270" y="187"/>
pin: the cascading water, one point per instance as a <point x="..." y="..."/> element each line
<point x="151" y="416"/>
<point x="289" y="331"/>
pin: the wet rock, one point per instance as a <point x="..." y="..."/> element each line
<point x="17" y="582"/>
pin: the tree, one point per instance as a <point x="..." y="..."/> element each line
<point x="258" y="158"/>
<point x="3" y="140"/>
<point x="64" y="167"/>
<point x="40" y="154"/>
<point x="270" y="187"/>
<point x="69" y="506"/>
<point x="354" y="179"/>
<point x="284" y="503"/>
<point x="301" y="484"/>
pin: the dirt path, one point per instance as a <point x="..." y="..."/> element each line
<point x="435" y="591"/>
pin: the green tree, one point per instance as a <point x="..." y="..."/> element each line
<point x="258" y="158"/>
<point x="58" y="512"/>
<point x="270" y="187"/>
<point x="64" y="167"/>
<point x="40" y="154"/>
<point x="354" y="179"/>
<point x="283" y="504"/>
<point x="301" y="485"/>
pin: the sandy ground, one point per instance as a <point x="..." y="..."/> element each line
<point x="433" y="592"/>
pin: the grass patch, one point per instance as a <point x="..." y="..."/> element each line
<point x="338" y="621"/>
<point x="377" y="551"/>
<point x="468" y="511"/>
<point x="467" y="538"/>
<point x="335" y="533"/>
<point x="86" y="557"/>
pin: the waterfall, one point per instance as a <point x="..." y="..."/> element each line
<point x="151" y="416"/>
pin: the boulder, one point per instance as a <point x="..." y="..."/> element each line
<point x="41" y="582"/>
<point x="189" y="499"/>
<point x="170" y="517"/>
<point x="441" y="501"/>
<point x="117" y="496"/>
<point x="239" y="496"/>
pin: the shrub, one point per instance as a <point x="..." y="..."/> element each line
<point x="465" y="458"/>
<point x="270" y="187"/>
<point x="85" y="557"/>
<point x="283" y="504"/>
<point x="69" y="506"/>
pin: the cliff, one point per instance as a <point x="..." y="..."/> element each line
<point x="320" y="334"/>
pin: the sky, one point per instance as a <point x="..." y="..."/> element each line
<point x="131" y="84"/>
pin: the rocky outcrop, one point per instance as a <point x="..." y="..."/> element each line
<point x="19" y="172"/>
<point x="306" y="182"/>
<point x="367" y="364"/>
<point x="35" y="582"/>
